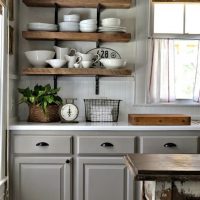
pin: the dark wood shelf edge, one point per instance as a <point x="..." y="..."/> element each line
<point x="76" y="36"/>
<point x="78" y="72"/>
<point x="80" y="3"/>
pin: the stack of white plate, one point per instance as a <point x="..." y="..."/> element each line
<point x="36" y="26"/>
<point x="111" y="25"/>
<point x="71" y="23"/>
<point x="88" y="25"/>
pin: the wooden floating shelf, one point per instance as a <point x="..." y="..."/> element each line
<point x="77" y="36"/>
<point x="78" y="72"/>
<point x="79" y="3"/>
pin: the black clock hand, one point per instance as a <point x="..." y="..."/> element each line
<point x="69" y="112"/>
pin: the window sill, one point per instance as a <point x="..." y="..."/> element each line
<point x="169" y="105"/>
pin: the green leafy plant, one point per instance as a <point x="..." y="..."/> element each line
<point x="41" y="96"/>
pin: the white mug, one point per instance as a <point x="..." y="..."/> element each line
<point x="61" y="52"/>
<point x="86" y="64"/>
<point x="72" y="60"/>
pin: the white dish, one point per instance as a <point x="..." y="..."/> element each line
<point x="88" y="29"/>
<point x="69" y="26"/>
<point x="111" y="22"/>
<point x="38" y="58"/>
<point x="42" y="27"/>
<point x="112" y="63"/>
<point x="56" y="63"/>
<point x="71" y="18"/>
<point x="89" y="21"/>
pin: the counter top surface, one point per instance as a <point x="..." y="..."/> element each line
<point x="107" y="126"/>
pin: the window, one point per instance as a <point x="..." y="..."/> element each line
<point x="174" y="53"/>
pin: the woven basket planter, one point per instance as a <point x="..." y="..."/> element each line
<point x="36" y="114"/>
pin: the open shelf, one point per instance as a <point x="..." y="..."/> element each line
<point x="78" y="72"/>
<point x="79" y="3"/>
<point x="77" y="36"/>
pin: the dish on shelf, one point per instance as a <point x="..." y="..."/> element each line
<point x="111" y="22"/>
<point x="38" y="58"/>
<point x="69" y="26"/>
<point x="42" y="27"/>
<point x="88" y="22"/>
<point x="88" y="27"/>
<point x="112" y="29"/>
<point x="71" y="18"/>
<point x="112" y="63"/>
<point x="56" y="63"/>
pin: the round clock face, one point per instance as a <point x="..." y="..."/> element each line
<point x="69" y="112"/>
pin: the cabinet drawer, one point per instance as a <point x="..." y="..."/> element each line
<point x="106" y="145"/>
<point x="169" y="145"/>
<point x="42" y="144"/>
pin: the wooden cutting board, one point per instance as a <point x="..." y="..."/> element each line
<point x="159" y="119"/>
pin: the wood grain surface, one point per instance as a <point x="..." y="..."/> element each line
<point x="164" y="166"/>
<point x="76" y="36"/>
<point x="159" y="119"/>
<point x="78" y="72"/>
<point x="80" y="3"/>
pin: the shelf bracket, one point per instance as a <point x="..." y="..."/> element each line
<point x="97" y="85"/>
<point x="98" y="14"/>
<point x="56" y="13"/>
<point x="55" y="81"/>
<point x="98" y="43"/>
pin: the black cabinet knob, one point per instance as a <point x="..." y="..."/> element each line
<point x="170" y="145"/>
<point x="42" y="144"/>
<point x="68" y="161"/>
<point x="107" y="144"/>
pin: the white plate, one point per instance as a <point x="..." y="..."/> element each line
<point x="112" y="31"/>
<point x="34" y="28"/>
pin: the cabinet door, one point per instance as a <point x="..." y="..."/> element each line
<point x="47" y="178"/>
<point x="104" y="178"/>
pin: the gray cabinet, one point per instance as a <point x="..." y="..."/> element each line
<point x="42" y="178"/>
<point x="169" y="144"/>
<point x="104" y="178"/>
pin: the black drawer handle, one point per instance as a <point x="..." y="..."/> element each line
<point x="107" y="144"/>
<point x="42" y="144"/>
<point x="170" y="145"/>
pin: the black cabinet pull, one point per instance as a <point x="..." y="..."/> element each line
<point x="170" y="145"/>
<point x="107" y="144"/>
<point x="68" y="161"/>
<point x="42" y="144"/>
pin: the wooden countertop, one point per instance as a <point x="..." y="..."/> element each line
<point x="164" y="167"/>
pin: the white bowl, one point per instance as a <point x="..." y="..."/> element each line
<point x="42" y="27"/>
<point x="111" y="22"/>
<point x="89" y="21"/>
<point x="69" y="26"/>
<point x="38" y="58"/>
<point x="56" y="63"/>
<point x="112" y="63"/>
<point x="88" y="29"/>
<point x="71" y="18"/>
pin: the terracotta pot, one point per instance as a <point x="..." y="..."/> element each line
<point x="36" y="114"/>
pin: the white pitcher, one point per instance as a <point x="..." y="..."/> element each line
<point x="72" y="60"/>
<point x="61" y="52"/>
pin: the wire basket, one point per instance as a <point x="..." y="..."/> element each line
<point x="101" y="110"/>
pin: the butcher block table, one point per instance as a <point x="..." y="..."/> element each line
<point x="166" y="176"/>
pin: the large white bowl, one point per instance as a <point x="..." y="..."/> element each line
<point x="38" y="58"/>
<point x="56" y="63"/>
<point x="111" y="22"/>
<point x="71" y="18"/>
<point x="112" y="63"/>
<point x="88" y="29"/>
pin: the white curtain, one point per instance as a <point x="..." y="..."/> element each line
<point x="161" y="71"/>
<point x="196" y="96"/>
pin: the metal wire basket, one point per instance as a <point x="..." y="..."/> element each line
<point x="101" y="110"/>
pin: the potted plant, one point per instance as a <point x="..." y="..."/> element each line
<point x="43" y="103"/>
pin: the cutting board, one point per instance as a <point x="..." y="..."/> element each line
<point x="159" y="119"/>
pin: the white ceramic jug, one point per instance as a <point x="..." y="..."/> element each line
<point x="72" y="60"/>
<point x="61" y="52"/>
